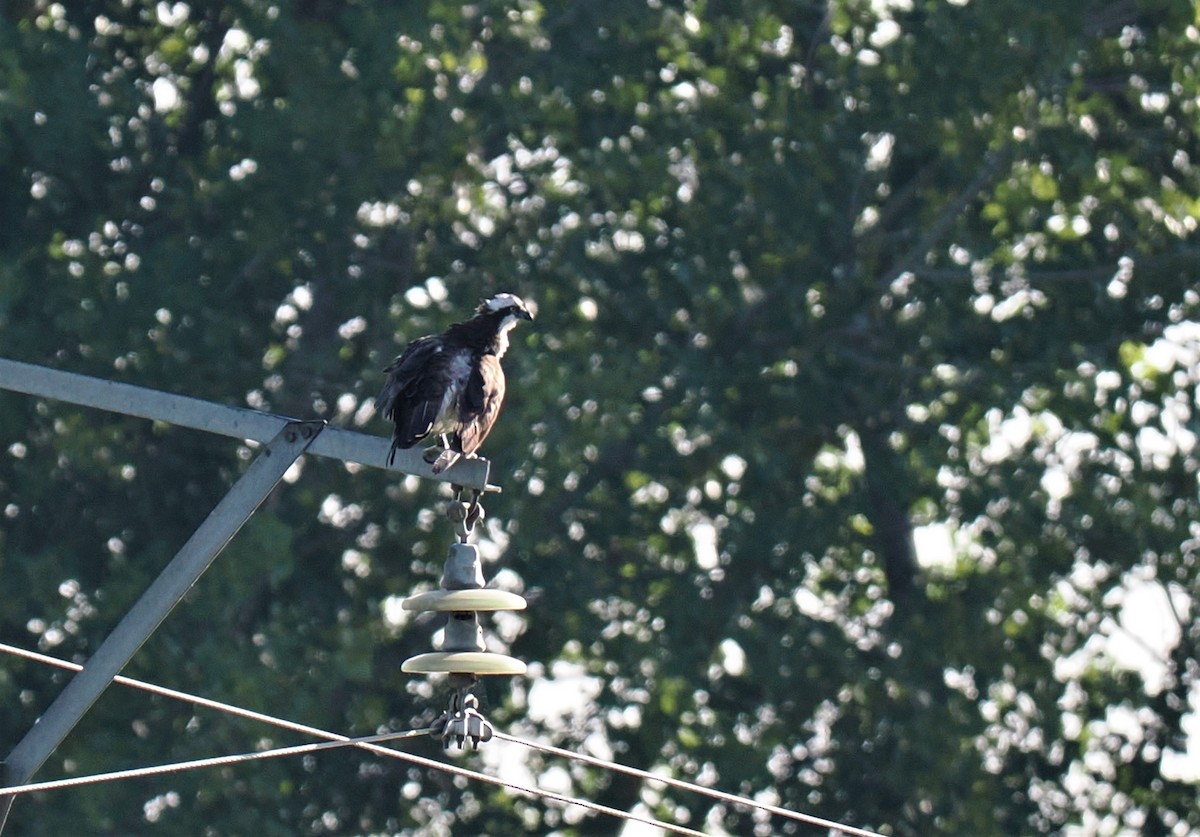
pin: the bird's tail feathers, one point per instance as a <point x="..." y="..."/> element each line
<point x="387" y="399"/>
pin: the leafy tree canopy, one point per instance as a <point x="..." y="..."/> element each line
<point x="818" y="285"/>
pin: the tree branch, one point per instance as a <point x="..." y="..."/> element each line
<point x="994" y="162"/>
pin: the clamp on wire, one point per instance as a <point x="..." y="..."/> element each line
<point x="462" y="722"/>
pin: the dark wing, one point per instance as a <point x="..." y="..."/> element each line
<point x="481" y="403"/>
<point x="413" y="391"/>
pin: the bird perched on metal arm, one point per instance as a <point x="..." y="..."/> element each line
<point x="451" y="385"/>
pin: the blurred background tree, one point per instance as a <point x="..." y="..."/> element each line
<point x="851" y="463"/>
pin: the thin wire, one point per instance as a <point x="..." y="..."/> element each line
<point x="689" y="786"/>
<point x="195" y="764"/>
<point x="196" y="699"/>
<point x="342" y="740"/>
<point x="301" y="749"/>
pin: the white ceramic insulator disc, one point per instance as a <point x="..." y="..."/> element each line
<point x="463" y="662"/>
<point x="449" y="600"/>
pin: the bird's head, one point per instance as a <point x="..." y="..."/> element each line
<point x="505" y="306"/>
<point x="503" y="311"/>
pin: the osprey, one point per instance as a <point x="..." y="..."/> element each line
<point x="451" y="385"/>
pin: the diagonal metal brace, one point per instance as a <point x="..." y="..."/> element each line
<point x="159" y="599"/>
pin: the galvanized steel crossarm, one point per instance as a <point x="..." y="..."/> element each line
<point x="236" y="422"/>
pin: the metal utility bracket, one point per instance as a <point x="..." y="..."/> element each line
<point x="284" y="439"/>
<point x="159" y="599"/>
<point x="237" y="422"/>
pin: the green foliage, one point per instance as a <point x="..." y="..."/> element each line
<point x="808" y="276"/>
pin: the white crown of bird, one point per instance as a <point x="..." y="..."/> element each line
<point x="499" y="302"/>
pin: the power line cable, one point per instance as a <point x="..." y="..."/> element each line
<point x="332" y="739"/>
<point x="368" y="744"/>
<point x="742" y="801"/>
<point x="304" y="749"/>
<point x="196" y="764"/>
<point x="196" y="699"/>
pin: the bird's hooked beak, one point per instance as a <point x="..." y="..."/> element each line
<point x="525" y="314"/>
